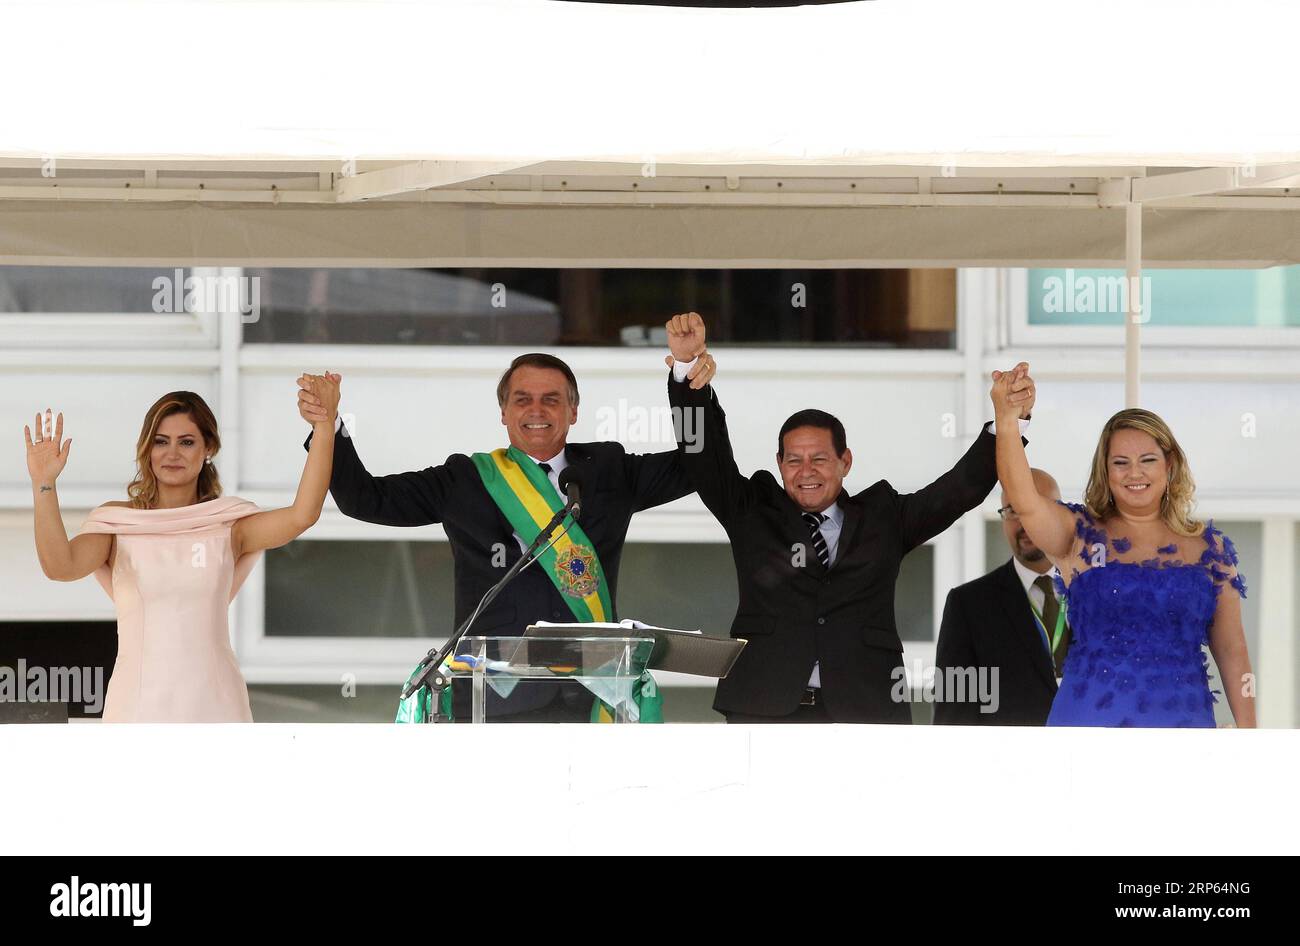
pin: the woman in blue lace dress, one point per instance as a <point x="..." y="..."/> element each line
<point x="1146" y="585"/>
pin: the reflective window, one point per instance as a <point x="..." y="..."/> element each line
<point x="53" y="671"/>
<point x="89" y="289"/>
<point x="404" y="589"/>
<point x="877" y="308"/>
<point x="914" y="596"/>
<point x="359" y="589"/>
<point x="1171" y="297"/>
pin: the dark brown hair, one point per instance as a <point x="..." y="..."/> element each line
<point x="143" y="491"/>
<point x="812" y="417"/>
<point x="537" y="359"/>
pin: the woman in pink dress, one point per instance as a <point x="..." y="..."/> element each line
<point x="173" y="555"/>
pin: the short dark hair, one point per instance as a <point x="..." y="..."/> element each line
<point x="537" y="359"/>
<point x="814" y="418"/>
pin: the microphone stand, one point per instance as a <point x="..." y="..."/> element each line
<point x="432" y="662"/>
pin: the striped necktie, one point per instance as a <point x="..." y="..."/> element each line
<point x="814" y="521"/>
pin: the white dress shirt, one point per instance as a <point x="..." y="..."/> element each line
<point x="557" y="463"/>
<point x="1027" y="578"/>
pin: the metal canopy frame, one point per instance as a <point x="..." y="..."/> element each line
<point x="294" y="181"/>
<point x="258" y="182"/>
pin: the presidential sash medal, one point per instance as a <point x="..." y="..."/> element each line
<point x="528" y="501"/>
<point x="576" y="569"/>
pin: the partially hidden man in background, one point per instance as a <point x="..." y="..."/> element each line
<point x="1012" y="619"/>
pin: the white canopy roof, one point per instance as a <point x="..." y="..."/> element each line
<point x="533" y="132"/>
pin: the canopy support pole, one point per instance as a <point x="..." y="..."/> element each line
<point x="1133" y="314"/>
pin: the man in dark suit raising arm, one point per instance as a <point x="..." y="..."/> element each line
<point x="490" y="505"/>
<point x="816" y="566"/>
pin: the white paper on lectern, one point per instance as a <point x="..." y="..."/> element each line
<point x="627" y="624"/>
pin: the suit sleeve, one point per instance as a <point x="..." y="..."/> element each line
<point x="955" y="649"/>
<point x="655" y="478"/>
<point x="927" y="512"/>
<point x="417" y="498"/>
<point x="705" y="449"/>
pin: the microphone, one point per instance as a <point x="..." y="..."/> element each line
<point x="431" y="665"/>
<point x="571" y="487"/>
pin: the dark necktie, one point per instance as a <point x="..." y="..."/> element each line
<point x="814" y="521"/>
<point x="546" y="468"/>
<point x="1051" y="611"/>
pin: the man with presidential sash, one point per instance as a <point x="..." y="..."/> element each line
<point x="524" y="493"/>
<point x="493" y="504"/>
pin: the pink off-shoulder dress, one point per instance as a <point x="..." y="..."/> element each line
<point x="172" y="583"/>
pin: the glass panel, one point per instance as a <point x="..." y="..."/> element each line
<point x="55" y="670"/>
<point x="405" y="589"/>
<point x="693" y="586"/>
<point x="551" y="657"/>
<point x="688" y="586"/>
<point x="359" y="589"/>
<point x="608" y="667"/>
<point x="85" y="289"/>
<point x="373" y="703"/>
<point x="996" y="549"/>
<point x="1248" y="537"/>
<point x="878" y="308"/>
<point x="914" y="596"/>
<point x="1188" y="297"/>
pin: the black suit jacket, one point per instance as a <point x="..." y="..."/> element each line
<point x="796" y="615"/>
<point x="988" y="623"/>
<point x="615" y="485"/>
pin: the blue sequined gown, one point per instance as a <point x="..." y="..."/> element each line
<point x="1139" y="628"/>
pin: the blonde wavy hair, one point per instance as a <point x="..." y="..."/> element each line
<point x="1180" y="496"/>
<point x="143" y="490"/>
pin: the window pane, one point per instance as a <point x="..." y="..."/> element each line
<point x="1188" y="297"/>
<point x="65" y="669"/>
<point x="684" y="585"/>
<point x="914" y="596"/>
<point x="879" y="308"/>
<point x="359" y="589"/>
<point x="82" y="289"/>
<point x="1248" y="537"/>
<point x="404" y="589"/>
<point x="996" y="549"/>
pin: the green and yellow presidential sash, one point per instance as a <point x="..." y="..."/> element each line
<point x="526" y="497"/>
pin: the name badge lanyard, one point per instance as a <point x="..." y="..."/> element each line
<point x="1055" y="638"/>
